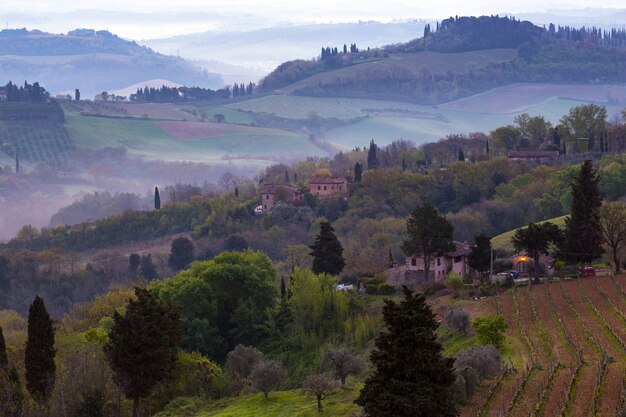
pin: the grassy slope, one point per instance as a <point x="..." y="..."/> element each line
<point x="503" y="241"/>
<point x="436" y="62"/>
<point x="280" y="404"/>
<point x="145" y="138"/>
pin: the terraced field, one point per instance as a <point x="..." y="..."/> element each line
<point x="569" y="339"/>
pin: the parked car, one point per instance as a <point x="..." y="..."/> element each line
<point x="588" y="271"/>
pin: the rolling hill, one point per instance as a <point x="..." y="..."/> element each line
<point x="92" y="61"/>
<point x="462" y="57"/>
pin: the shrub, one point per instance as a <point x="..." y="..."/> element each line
<point x="240" y="363"/>
<point x="268" y="376"/>
<point x="454" y="282"/>
<point x="458" y="320"/>
<point x="490" y="329"/>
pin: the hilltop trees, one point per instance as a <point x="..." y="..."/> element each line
<point x="429" y="234"/>
<point x="141" y="347"/>
<point x="586" y="121"/>
<point x="327" y="252"/>
<point x="39" y="355"/>
<point x="411" y="377"/>
<point x="583" y="234"/>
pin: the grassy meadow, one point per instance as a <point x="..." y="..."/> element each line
<point x="503" y="241"/>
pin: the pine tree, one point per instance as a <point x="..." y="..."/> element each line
<point x="411" y="377"/>
<point x="358" y="172"/>
<point x="327" y="252"/>
<point x="372" y="157"/>
<point x="4" y="360"/>
<point x="39" y="356"/>
<point x="583" y="232"/>
<point x="142" y="345"/>
<point x="157" y="199"/>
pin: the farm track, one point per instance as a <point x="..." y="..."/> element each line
<point x="582" y="401"/>
<point x="562" y="350"/>
<point x="531" y="396"/>
<point x="600" y="322"/>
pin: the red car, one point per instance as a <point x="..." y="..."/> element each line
<point x="588" y="271"/>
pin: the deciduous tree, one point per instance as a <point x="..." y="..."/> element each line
<point x="429" y="235"/>
<point x="480" y="256"/>
<point x="343" y="363"/>
<point x="321" y="386"/>
<point x="268" y="376"/>
<point x="181" y="253"/>
<point x="613" y="224"/>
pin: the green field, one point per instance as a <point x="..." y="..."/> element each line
<point x="503" y="241"/>
<point x="145" y="138"/>
<point x="280" y="404"/>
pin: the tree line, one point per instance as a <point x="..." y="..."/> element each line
<point x="166" y="94"/>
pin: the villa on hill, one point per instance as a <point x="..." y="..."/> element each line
<point x="273" y="193"/>
<point x="328" y="187"/>
<point x="412" y="273"/>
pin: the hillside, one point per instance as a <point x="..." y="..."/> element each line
<point x="92" y="61"/>
<point x="440" y="67"/>
<point x="503" y="241"/>
<point x="563" y="338"/>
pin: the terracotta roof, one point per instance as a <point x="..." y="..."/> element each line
<point x="331" y="180"/>
<point x="533" y="154"/>
<point x="275" y="188"/>
<point x="461" y="249"/>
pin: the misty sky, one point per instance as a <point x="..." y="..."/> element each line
<point x="159" y="18"/>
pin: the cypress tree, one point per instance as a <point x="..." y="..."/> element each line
<point x="327" y="252"/>
<point x="411" y="377"/>
<point x="236" y="192"/>
<point x="286" y="177"/>
<point x="157" y="199"/>
<point x="4" y="360"/>
<point x="17" y="164"/>
<point x="358" y="172"/>
<point x="142" y="345"/>
<point x="39" y="356"/>
<point x="372" y="157"/>
<point x="583" y="232"/>
<point x="461" y="155"/>
<point x="283" y="288"/>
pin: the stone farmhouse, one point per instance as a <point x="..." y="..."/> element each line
<point x="273" y="193"/>
<point x="328" y="187"/>
<point x="412" y="273"/>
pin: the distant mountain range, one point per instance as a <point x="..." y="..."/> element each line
<point x="92" y="61"/>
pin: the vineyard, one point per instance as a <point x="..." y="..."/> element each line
<point x="35" y="142"/>
<point x="569" y="341"/>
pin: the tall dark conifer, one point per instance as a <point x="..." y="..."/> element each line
<point x="4" y="360"/>
<point x="157" y="199"/>
<point x="39" y="356"/>
<point x="583" y="232"/>
<point x="141" y="347"/>
<point x="372" y="156"/>
<point x="411" y="377"/>
<point x="327" y="252"/>
<point x="358" y="172"/>
<point x="17" y="163"/>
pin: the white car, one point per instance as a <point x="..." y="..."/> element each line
<point x="258" y="210"/>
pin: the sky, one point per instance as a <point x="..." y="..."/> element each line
<point x="147" y="19"/>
